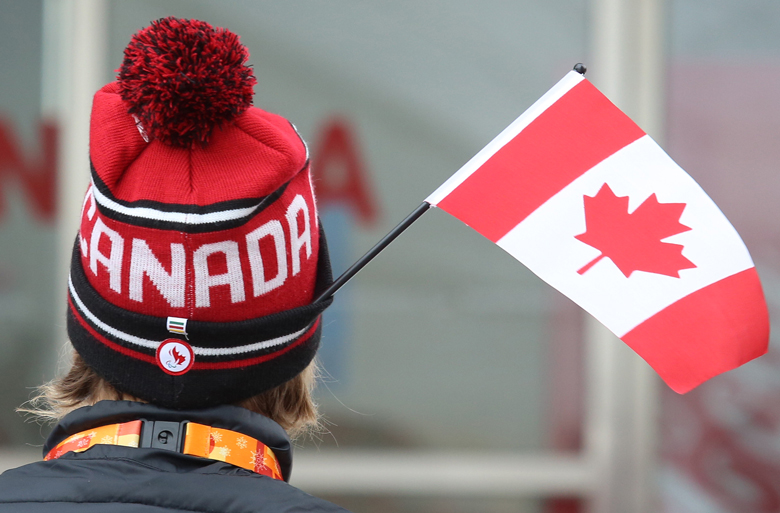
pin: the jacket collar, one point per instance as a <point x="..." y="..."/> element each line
<point x="225" y="416"/>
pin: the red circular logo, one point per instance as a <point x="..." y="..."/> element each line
<point x="175" y="356"/>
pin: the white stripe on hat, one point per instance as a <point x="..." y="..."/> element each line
<point x="200" y="351"/>
<point x="172" y="217"/>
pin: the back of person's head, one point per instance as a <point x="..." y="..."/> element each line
<point x="200" y="251"/>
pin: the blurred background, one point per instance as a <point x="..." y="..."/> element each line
<point x="455" y="379"/>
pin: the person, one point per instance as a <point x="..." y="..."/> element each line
<point x="191" y="296"/>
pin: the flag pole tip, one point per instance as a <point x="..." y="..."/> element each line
<point x="580" y="68"/>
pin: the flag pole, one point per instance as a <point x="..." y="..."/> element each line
<point x="382" y="244"/>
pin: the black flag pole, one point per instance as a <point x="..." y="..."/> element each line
<point x="382" y="244"/>
<point x="390" y="237"/>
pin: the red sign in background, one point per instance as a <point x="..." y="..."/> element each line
<point x="35" y="172"/>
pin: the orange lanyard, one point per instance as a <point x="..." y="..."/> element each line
<point x="199" y="440"/>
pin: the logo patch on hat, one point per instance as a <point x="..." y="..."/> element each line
<point x="175" y="356"/>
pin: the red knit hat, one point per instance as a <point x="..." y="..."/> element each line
<point x="200" y="249"/>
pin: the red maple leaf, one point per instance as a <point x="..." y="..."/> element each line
<point x="178" y="357"/>
<point x="633" y="241"/>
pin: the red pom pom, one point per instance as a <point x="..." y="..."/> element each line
<point x="182" y="78"/>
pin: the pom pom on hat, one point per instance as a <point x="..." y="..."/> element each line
<point x="183" y="78"/>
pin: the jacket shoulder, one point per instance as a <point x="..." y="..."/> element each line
<point x="80" y="483"/>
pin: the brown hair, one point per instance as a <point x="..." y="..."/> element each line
<point x="290" y="404"/>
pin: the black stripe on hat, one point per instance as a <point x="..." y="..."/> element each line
<point x="196" y="388"/>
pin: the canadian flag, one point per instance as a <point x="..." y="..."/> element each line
<point x="578" y="193"/>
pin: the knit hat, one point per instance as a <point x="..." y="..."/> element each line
<point x="200" y="250"/>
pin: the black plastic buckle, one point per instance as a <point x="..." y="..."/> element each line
<point x="160" y="434"/>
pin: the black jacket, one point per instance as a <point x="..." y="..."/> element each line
<point x="115" y="479"/>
